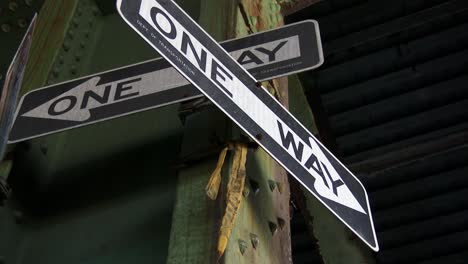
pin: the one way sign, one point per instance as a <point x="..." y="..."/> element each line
<point x="168" y="29"/>
<point x="155" y="83"/>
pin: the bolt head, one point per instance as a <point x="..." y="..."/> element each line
<point x="254" y="239"/>
<point x="272" y="185"/>
<point x="6" y="28"/>
<point x="56" y="71"/>
<point x="95" y="11"/>
<point x="75" y="22"/>
<point x="13" y="6"/>
<point x="281" y="222"/>
<point x="66" y="46"/>
<point x="273" y="227"/>
<point x="246" y="191"/>
<point x="22" y="23"/>
<point x="280" y="187"/>
<point x="255" y="186"/>
<point x="18" y="215"/>
<point x="242" y="246"/>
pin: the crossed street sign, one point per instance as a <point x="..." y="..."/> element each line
<point x="151" y="84"/>
<point x="170" y="31"/>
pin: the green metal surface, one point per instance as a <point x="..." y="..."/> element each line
<point x="261" y="230"/>
<point x="99" y="194"/>
<point x="196" y="219"/>
<point x="14" y="20"/>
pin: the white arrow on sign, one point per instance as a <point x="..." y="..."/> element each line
<point x="168" y="29"/>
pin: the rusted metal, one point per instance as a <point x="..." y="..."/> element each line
<point x="291" y="6"/>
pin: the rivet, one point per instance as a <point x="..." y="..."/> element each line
<point x="273" y="227"/>
<point x="71" y="34"/>
<point x="56" y="71"/>
<point x="255" y="186"/>
<point x="77" y="57"/>
<point x="66" y="46"/>
<point x="22" y="23"/>
<point x="280" y="187"/>
<point x="95" y="11"/>
<point x="242" y="246"/>
<point x="75" y="22"/>
<point x="61" y="60"/>
<point x="254" y="239"/>
<point x="272" y="185"/>
<point x="28" y="2"/>
<point x="18" y="215"/>
<point x="246" y="191"/>
<point x="82" y="44"/>
<point x="6" y="28"/>
<point x="13" y="6"/>
<point x="43" y="149"/>
<point x="73" y="70"/>
<point x="281" y="223"/>
<point x="79" y="11"/>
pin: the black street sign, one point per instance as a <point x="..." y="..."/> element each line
<point x="155" y="83"/>
<point x="169" y="30"/>
<point x="12" y="86"/>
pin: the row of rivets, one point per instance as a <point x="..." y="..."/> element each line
<point x="21" y="22"/>
<point x="255" y="186"/>
<point x="254" y="240"/>
<point x="243" y="245"/>
<point x="79" y="27"/>
<point x="273" y="226"/>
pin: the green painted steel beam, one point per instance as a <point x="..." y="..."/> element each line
<point x="75" y="39"/>
<point x="14" y="20"/>
<point x="261" y="230"/>
<point x="102" y="193"/>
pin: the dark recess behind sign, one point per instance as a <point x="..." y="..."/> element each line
<point x="393" y="104"/>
